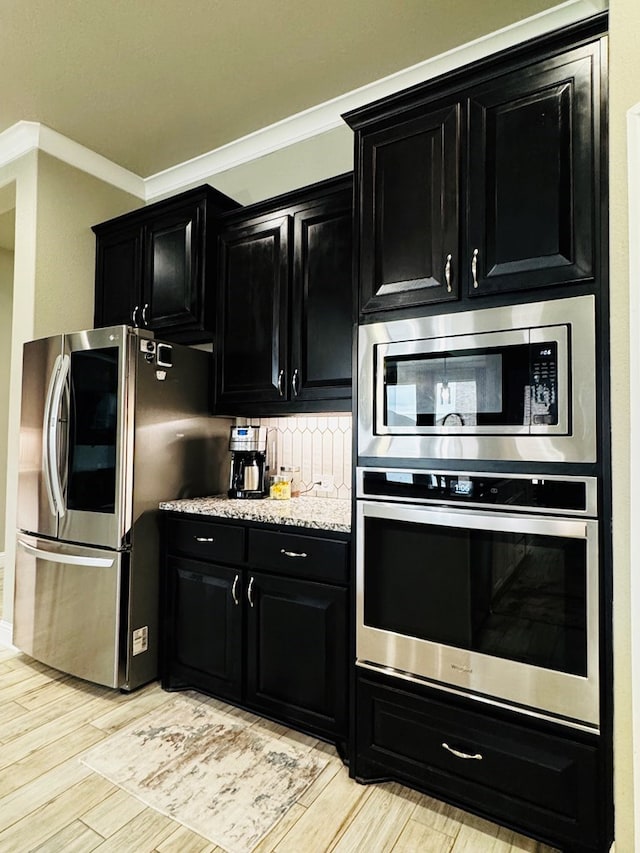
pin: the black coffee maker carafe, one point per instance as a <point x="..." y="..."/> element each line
<point x="248" y="446"/>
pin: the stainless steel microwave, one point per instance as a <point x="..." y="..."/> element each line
<point x="510" y="383"/>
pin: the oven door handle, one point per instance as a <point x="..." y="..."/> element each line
<point x="500" y="521"/>
<point x="458" y="754"/>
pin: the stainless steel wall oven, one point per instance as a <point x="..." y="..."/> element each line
<point x="484" y="584"/>
<point x="515" y="383"/>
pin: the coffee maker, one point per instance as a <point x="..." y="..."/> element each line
<point x="248" y="446"/>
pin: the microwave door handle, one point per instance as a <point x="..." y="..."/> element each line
<point x="46" y="435"/>
<point x="54" y="435"/>
<point x="447" y="272"/>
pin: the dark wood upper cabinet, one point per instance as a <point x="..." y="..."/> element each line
<point x="285" y="304"/>
<point x="409" y="240"/>
<point x="118" y="274"/>
<point x="155" y="267"/>
<point x="322" y="300"/>
<point x="483" y="181"/>
<point x="532" y="173"/>
<point x="253" y="300"/>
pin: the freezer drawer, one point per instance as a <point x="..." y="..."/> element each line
<point x="67" y="608"/>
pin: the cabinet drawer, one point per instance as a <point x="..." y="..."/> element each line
<point x="542" y="783"/>
<point x="206" y="540"/>
<point x="303" y="556"/>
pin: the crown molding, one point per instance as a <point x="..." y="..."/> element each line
<point x="328" y="116"/>
<point x="25" y="136"/>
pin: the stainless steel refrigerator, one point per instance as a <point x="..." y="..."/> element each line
<point x="112" y="422"/>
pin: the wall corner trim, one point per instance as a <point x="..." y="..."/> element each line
<point x="26" y="136"/>
<point x="633" y="165"/>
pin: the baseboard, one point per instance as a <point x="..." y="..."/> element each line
<point x="6" y="634"/>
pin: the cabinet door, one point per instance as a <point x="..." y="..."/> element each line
<point x="118" y="276"/>
<point x="203" y="628"/>
<point x="251" y="339"/>
<point x="297" y="651"/>
<point x="532" y="176"/>
<point x="322" y="310"/>
<point x="173" y="285"/>
<point x="409" y="202"/>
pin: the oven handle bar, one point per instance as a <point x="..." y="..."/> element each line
<point x="497" y="521"/>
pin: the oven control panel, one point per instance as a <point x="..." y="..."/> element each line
<point x="570" y="495"/>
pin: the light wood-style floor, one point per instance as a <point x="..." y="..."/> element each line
<point x="50" y="801"/>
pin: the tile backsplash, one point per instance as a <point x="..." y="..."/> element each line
<point x="318" y="445"/>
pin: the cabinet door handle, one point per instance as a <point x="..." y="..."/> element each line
<point x="204" y="538"/>
<point x="295" y="381"/>
<point x="250" y="591"/>
<point x="293" y="553"/>
<point x="474" y="267"/>
<point x="133" y="316"/>
<point x="281" y="383"/>
<point x="144" y="313"/>
<point x="233" y="590"/>
<point x="458" y="754"/>
<point x="447" y="273"/>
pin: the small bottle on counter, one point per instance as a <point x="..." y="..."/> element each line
<point x="292" y="473"/>
<point x="280" y="488"/>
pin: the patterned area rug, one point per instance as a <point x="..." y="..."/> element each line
<point x="208" y="770"/>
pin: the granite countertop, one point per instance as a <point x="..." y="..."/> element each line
<point x="318" y="513"/>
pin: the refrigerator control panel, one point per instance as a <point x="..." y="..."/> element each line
<point x="162" y="354"/>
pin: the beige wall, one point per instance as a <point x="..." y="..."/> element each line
<point x="6" y="304"/>
<point x="56" y="205"/>
<point x="624" y="27"/>
<point x="69" y="203"/>
<point x="315" y="159"/>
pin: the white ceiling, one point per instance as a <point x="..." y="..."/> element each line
<point x="152" y="83"/>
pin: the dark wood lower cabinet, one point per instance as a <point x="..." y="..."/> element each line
<point x="539" y="781"/>
<point x="259" y="618"/>
<point x="206" y="635"/>
<point x="297" y="651"/>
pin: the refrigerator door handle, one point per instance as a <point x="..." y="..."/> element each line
<point x="53" y="438"/>
<point x="46" y="458"/>
<point x="68" y="559"/>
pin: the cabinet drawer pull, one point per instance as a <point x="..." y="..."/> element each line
<point x="249" y="592"/>
<point x="458" y="754"/>
<point x="293" y="553"/>
<point x="204" y="538"/>
<point x="233" y="590"/>
<point x="474" y="267"/>
<point x="447" y="273"/>
<point x="295" y="381"/>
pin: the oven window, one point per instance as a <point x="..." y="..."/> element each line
<point x="512" y="385"/>
<point x="517" y="596"/>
